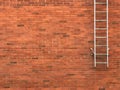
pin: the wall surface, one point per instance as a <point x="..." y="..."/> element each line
<point x="46" y="46"/>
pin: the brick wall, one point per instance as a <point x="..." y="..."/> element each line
<point x="46" y="45"/>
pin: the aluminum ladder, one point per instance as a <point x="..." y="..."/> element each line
<point x="101" y="50"/>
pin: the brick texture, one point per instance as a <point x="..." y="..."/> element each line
<point x="45" y="45"/>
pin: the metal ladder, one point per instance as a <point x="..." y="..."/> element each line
<point x="101" y="58"/>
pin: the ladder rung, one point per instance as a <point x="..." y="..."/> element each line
<point x="101" y="3"/>
<point x="102" y="54"/>
<point x="101" y="62"/>
<point x="101" y="20"/>
<point x="101" y="28"/>
<point x="101" y="11"/>
<point x="100" y="37"/>
<point x="101" y="45"/>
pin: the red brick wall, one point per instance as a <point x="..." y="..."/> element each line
<point x="47" y="45"/>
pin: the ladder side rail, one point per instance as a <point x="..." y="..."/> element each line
<point x="107" y="33"/>
<point x="94" y="33"/>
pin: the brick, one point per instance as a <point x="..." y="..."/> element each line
<point x="45" y="45"/>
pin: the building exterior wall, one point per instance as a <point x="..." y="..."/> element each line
<point x="46" y="45"/>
